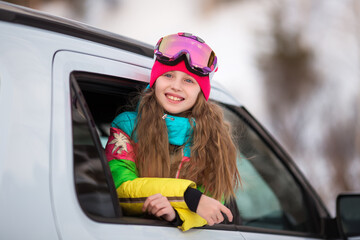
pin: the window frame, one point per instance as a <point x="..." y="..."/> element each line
<point x="273" y="146"/>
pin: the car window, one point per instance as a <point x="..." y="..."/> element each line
<point x="93" y="181"/>
<point x="270" y="197"/>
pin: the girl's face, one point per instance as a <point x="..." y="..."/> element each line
<point x="176" y="91"/>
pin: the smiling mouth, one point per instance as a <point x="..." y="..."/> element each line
<point x="174" y="98"/>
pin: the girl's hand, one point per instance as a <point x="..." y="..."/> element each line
<point x="159" y="206"/>
<point x="211" y="210"/>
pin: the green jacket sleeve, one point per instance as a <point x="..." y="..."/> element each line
<point x="122" y="171"/>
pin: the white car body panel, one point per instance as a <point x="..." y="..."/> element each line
<point x="25" y="91"/>
<point x="263" y="236"/>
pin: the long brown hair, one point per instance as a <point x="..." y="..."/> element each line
<point x="213" y="153"/>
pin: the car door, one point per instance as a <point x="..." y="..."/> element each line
<point x="84" y="200"/>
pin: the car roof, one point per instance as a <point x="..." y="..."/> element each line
<point x="29" y="17"/>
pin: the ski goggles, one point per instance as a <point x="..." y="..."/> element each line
<point x="200" y="57"/>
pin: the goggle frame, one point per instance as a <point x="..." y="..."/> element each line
<point x="194" y="67"/>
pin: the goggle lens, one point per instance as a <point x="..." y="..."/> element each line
<point x="200" y="56"/>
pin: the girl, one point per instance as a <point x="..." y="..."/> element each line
<point x="174" y="157"/>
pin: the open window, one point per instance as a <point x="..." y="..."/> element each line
<point x="271" y="199"/>
<point x="96" y="100"/>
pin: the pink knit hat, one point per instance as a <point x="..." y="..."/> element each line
<point x="159" y="69"/>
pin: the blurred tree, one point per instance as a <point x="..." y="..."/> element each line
<point x="289" y="80"/>
<point x="315" y="110"/>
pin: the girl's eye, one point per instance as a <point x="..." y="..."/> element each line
<point x="188" y="80"/>
<point x="168" y="75"/>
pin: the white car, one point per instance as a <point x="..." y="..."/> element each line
<point x="61" y="85"/>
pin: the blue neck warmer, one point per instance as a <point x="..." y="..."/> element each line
<point x="179" y="128"/>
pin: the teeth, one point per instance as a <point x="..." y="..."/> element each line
<point x="174" y="98"/>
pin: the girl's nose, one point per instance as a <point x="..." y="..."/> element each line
<point x="176" y="84"/>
